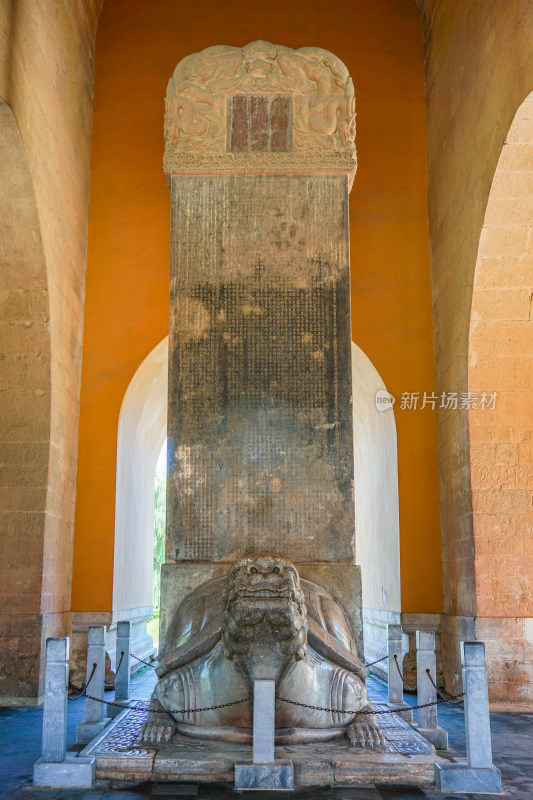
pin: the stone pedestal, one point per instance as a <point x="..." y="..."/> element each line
<point x="119" y="757"/>
<point x="477" y="774"/>
<point x="394" y="678"/>
<point x="56" y="767"/>
<point x="95" y="709"/>
<point x="264" y="772"/>
<point x="426" y="692"/>
<point x="122" y="676"/>
<point x="74" y="772"/>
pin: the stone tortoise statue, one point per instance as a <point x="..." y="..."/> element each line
<point x="262" y="621"/>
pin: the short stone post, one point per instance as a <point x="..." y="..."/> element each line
<point x="56" y="767"/>
<point x="95" y="716"/>
<point x="264" y="773"/>
<point x="395" y="684"/>
<point x="122" y="675"/>
<point x="426" y="692"/>
<point x="478" y="775"/>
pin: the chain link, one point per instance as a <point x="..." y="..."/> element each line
<point x="376" y="662"/>
<point x="83" y="689"/>
<point x="143" y="661"/>
<point x="108" y="683"/>
<point x="138" y="707"/>
<point x="455" y="699"/>
<point x="409" y="688"/>
<point x="356" y="711"/>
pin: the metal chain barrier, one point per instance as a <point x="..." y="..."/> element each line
<point x="409" y="688"/>
<point x="376" y="662"/>
<point x="108" y="683"/>
<point x="455" y="699"/>
<point x="142" y="660"/>
<point x="138" y="707"/>
<point x="356" y="711"/>
<point x="81" y="691"/>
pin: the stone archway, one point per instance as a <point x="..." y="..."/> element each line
<point x="28" y="568"/>
<point x="501" y="439"/>
<point x="377" y="524"/>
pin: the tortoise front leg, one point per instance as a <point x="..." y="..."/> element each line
<point x="159" y="727"/>
<point x="364" y="731"/>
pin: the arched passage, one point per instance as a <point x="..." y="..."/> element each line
<point x="501" y="438"/>
<point x="141" y="432"/>
<point x="26" y="570"/>
<point x="377" y="529"/>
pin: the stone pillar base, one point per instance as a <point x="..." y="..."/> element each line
<point x="87" y="731"/>
<point x="464" y="779"/>
<point x="276" y="776"/>
<point x="74" y="772"/>
<point x="437" y="736"/>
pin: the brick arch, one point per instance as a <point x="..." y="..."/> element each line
<point x="501" y="440"/>
<point x="24" y="424"/>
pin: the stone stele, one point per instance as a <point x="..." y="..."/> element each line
<point x="259" y="157"/>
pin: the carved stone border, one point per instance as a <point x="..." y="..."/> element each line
<point x="323" y="117"/>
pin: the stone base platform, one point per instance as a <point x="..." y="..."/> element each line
<point x="409" y="759"/>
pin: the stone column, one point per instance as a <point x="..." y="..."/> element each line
<point x="264" y="773"/>
<point x="56" y="767"/>
<point x="122" y="676"/>
<point x="95" y="710"/>
<point x="395" y="684"/>
<point x="263" y="729"/>
<point x="55" y="700"/>
<point x="426" y="693"/>
<point x="478" y="775"/>
<point x="260" y="451"/>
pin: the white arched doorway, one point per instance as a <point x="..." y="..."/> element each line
<point x="141" y="433"/>
<point x="377" y="527"/>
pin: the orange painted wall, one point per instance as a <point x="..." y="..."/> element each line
<point x="138" y="44"/>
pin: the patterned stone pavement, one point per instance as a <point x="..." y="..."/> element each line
<point x="20" y="737"/>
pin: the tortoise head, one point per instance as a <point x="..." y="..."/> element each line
<point x="263" y="600"/>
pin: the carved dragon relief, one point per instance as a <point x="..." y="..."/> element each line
<point x="323" y="103"/>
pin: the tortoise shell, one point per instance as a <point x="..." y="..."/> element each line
<point x="196" y="627"/>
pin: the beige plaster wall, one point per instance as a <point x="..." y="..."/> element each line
<point x="142" y="429"/>
<point x="377" y="532"/>
<point x="478" y="70"/>
<point x="46" y="67"/>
